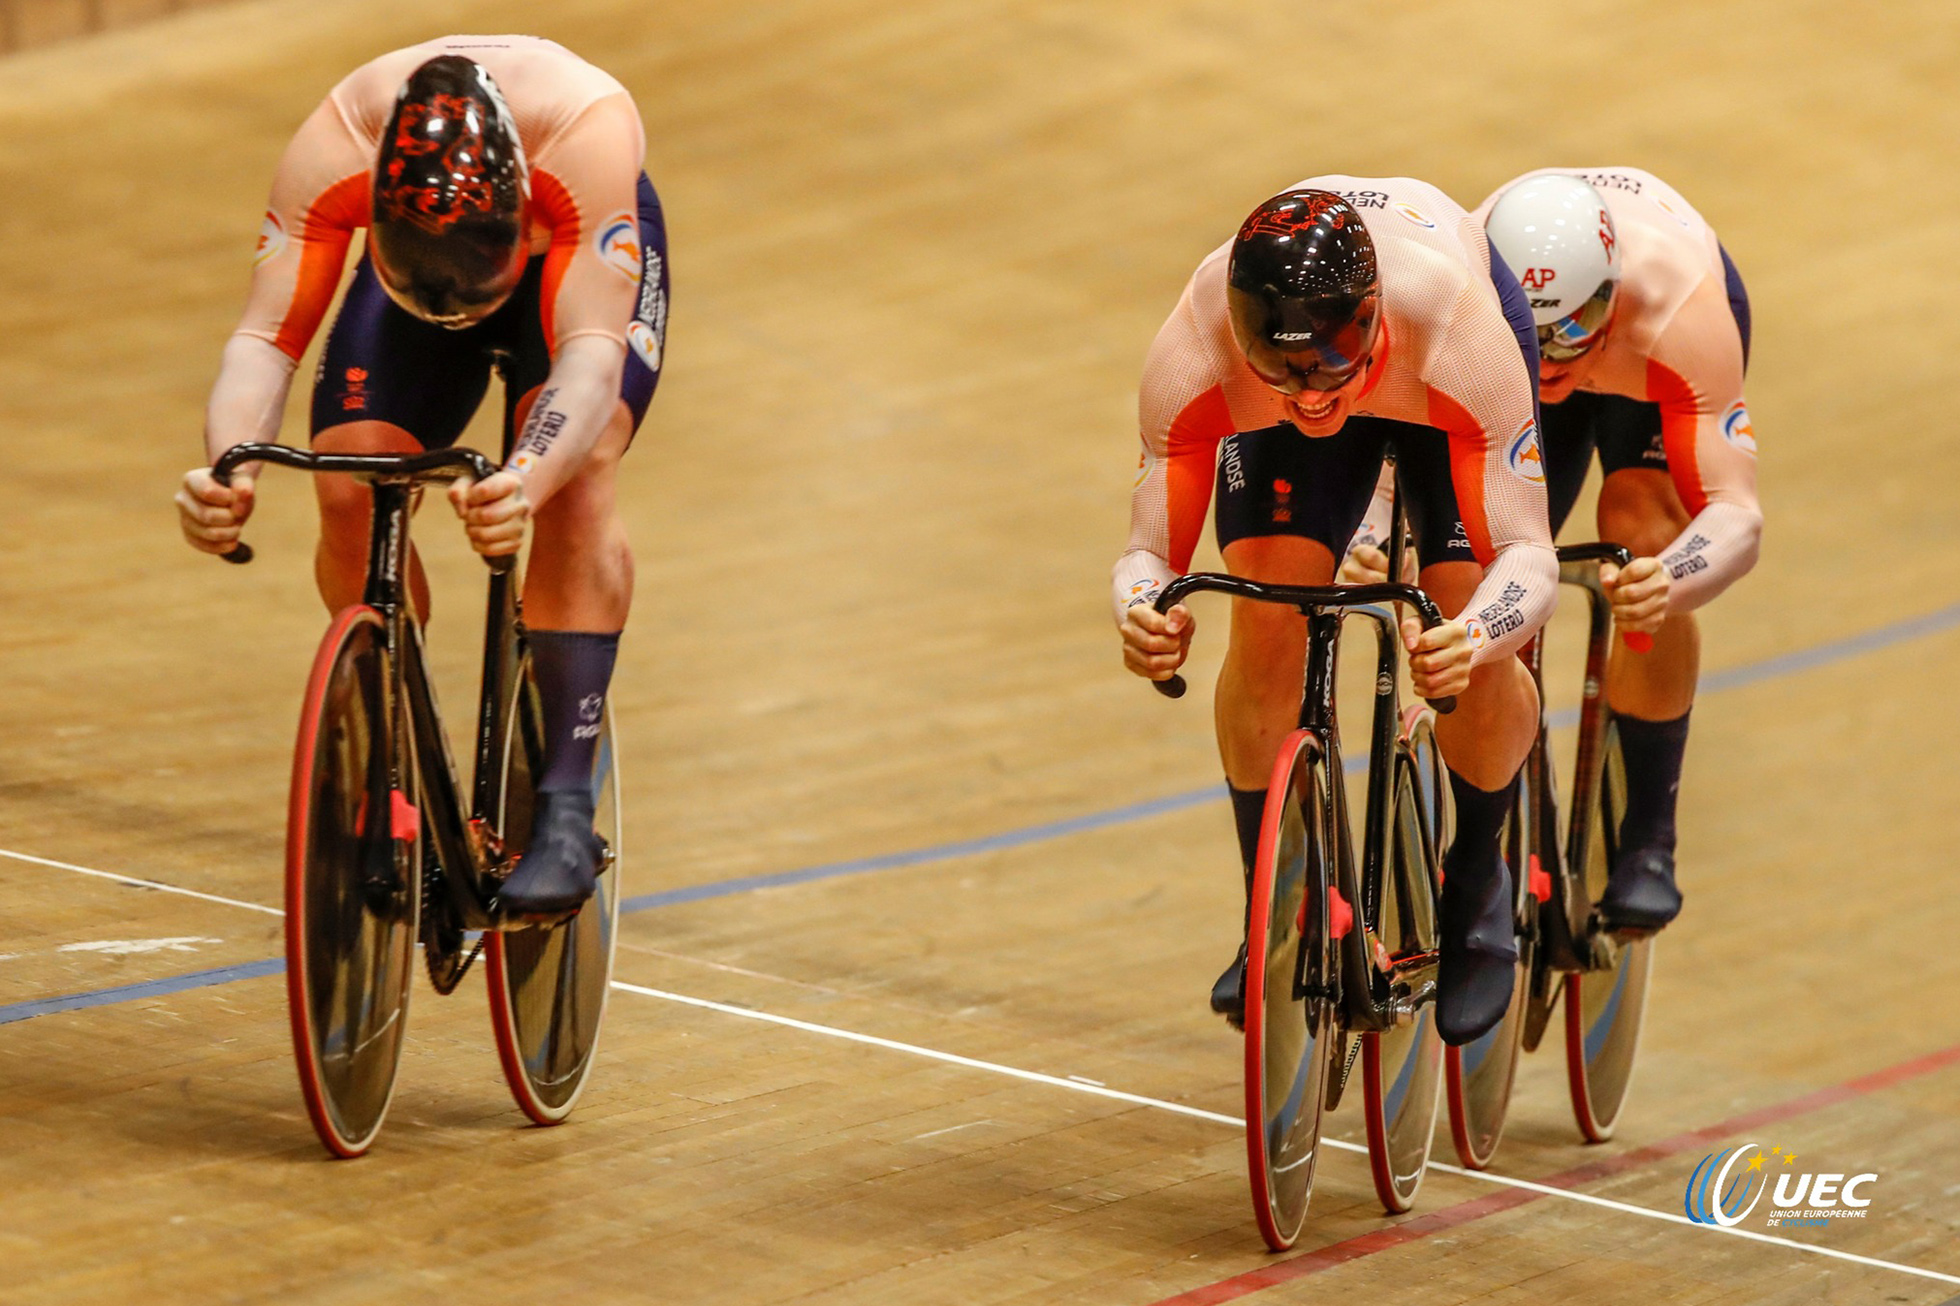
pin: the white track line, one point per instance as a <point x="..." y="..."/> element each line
<point x="1072" y="1084"/>
<point x="158" y="885"/>
<point x="1077" y="1086"/>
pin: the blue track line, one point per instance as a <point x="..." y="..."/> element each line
<point x="157" y="988"/>
<point x="1787" y="664"/>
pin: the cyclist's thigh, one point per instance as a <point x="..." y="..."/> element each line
<point x="528" y="362"/>
<point x="1628" y="433"/>
<point x="1429" y="496"/>
<point x="382" y="365"/>
<point x="1277" y="482"/>
<point x="1567" y="435"/>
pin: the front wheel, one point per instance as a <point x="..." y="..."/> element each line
<point x="548" y="983"/>
<point x="1604" y="1007"/>
<point x="1289" y="1007"/>
<point x="352" y="884"/>
<point x="1402" y="1065"/>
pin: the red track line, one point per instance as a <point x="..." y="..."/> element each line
<point x="1407" y="1231"/>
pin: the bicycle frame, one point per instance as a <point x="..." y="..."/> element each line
<point x="1573" y="942"/>
<point x="469" y="849"/>
<point x="1399" y="984"/>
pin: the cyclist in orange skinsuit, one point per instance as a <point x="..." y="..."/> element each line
<point x="1644" y="326"/>
<point x="510" y="228"/>
<point x="1348" y="312"/>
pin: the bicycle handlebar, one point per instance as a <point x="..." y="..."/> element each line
<point x="1619" y="556"/>
<point x="414" y="468"/>
<point x="1302" y="597"/>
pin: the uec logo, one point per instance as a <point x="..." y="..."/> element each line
<point x="1726" y="1186"/>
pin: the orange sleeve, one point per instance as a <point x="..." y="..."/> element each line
<point x="586" y="191"/>
<point x="319" y="198"/>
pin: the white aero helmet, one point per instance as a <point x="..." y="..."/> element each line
<point x="1557" y="236"/>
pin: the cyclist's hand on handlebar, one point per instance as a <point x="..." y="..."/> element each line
<point x="493" y="510"/>
<point x="1639" y="594"/>
<point x="1439" y="658"/>
<point x="1367" y="565"/>
<point x="1155" y="643"/>
<point x="212" y="514"/>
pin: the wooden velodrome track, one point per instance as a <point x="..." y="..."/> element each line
<point x="920" y="250"/>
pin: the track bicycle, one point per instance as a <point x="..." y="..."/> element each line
<point x="1342" y="953"/>
<point x="381" y="853"/>
<point x="1564" y="947"/>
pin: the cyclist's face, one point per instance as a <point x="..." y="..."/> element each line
<point x="1557" y="380"/>
<point x="1323" y="412"/>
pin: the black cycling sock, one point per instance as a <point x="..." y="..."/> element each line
<point x="1249" y="811"/>
<point x="1480" y="817"/>
<point x="1654" y="750"/>
<point x="573" y="669"/>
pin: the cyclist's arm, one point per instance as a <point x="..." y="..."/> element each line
<point x="1711" y="450"/>
<point x="568" y="416"/>
<point x="1181" y="431"/>
<point x="319" y="196"/>
<point x="1481" y="394"/>
<point x="586" y="190"/>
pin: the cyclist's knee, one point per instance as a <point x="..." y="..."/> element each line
<point x="1451" y="584"/>
<point x="345" y="506"/>
<point x="1638" y="508"/>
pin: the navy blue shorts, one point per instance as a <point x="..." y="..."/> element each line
<point x="1627" y="432"/>
<point x="384" y="364"/>
<point x="1277" y="481"/>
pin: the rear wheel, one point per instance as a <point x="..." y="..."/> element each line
<point x="1289" y="1010"/>
<point x="548" y="983"/>
<point x="1479" y="1075"/>
<point x="352" y="885"/>
<point x="1604" y="1007"/>
<point x="1402" y="1066"/>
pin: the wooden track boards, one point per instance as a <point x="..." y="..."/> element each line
<point x="920" y="251"/>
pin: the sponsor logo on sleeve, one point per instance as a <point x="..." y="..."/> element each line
<point x="1523" y="457"/>
<point x="645" y="342"/>
<point x="1478" y="635"/>
<point x="1736" y="429"/>
<point x="619" y="245"/>
<point x="1413" y="214"/>
<point x="272" y="239"/>
<point x="1142" y="591"/>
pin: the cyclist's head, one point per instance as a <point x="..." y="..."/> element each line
<point x="1557" y="236"/>
<point x="452" y="196"/>
<point x="1304" y="292"/>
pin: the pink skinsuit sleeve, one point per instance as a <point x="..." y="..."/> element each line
<point x="1183" y="415"/>
<point x="1481" y="395"/>
<point x="1711" y="449"/>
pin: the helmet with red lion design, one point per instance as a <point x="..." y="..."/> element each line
<point x="1303" y="291"/>
<point x="452" y="195"/>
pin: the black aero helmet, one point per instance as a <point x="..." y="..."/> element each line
<point x="1304" y="291"/>
<point x="452" y="196"/>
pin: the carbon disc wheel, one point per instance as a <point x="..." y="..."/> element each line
<point x="1289" y="1014"/>
<point x="1402" y="1066"/>
<point x="352" y="886"/>
<point x="1479" y="1076"/>
<point x="1604" y="1008"/>
<point x="549" y="983"/>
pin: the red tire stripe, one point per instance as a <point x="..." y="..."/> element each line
<point x="299" y="815"/>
